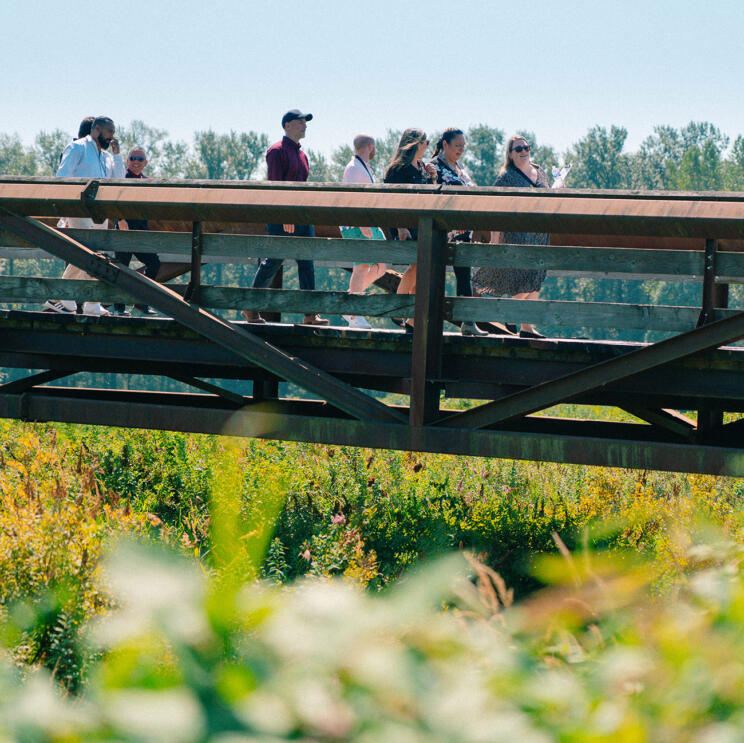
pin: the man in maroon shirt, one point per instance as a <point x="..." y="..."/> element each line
<point x="286" y="161"/>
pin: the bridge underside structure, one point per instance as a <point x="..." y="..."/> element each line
<point x="513" y="382"/>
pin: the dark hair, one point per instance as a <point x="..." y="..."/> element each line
<point x="101" y="121"/>
<point x="447" y="136"/>
<point x="85" y="126"/>
<point x="406" y="149"/>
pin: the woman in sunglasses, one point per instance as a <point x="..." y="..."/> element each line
<point x="407" y="167"/>
<point x="519" y="283"/>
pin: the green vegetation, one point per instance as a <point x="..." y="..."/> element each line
<point x="323" y="594"/>
<point x="316" y="512"/>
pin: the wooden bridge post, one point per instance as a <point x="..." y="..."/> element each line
<point x="426" y="359"/>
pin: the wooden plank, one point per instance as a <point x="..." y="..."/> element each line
<point x="560" y="313"/>
<point x="39" y="289"/>
<point x="547" y="257"/>
<point x="426" y="359"/>
<point x="554" y="313"/>
<point x="229" y="248"/>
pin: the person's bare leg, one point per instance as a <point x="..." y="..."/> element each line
<point x="364" y="275"/>
<point x="527" y="327"/>
<point x="361" y="277"/>
<point x="407" y="285"/>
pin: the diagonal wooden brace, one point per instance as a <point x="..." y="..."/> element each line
<point x="244" y="344"/>
<point x="596" y="376"/>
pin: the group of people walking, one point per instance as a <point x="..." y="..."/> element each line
<point x="88" y="156"/>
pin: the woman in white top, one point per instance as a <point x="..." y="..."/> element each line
<point x="363" y="274"/>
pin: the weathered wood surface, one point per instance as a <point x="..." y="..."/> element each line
<point x="559" y="313"/>
<point x="554" y="313"/>
<point x="174" y="247"/>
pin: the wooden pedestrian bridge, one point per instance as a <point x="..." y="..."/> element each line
<point x="685" y="391"/>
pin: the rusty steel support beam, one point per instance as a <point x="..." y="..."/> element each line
<point x="426" y="359"/>
<point x="232" y="397"/>
<point x="599" y="375"/>
<point x="26" y="383"/>
<point x="232" y="337"/>
<point x="386" y="205"/>
<point x="197" y="246"/>
<point x="669" y="420"/>
<point x="308" y="421"/>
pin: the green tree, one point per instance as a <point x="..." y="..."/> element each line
<point x="320" y="169"/>
<point x="598" y="159"/>
<point x="485" y="153"/>
<point x="699" y="170"/>
<point x="339" y="160"/>
<point x="733" y="167"/>
<point x="48" y="148"/>
<point x="15" y="159"/>
<point x="233" y="156"/>
<point x="385" y="146"/>
<point x="175" y="160"/>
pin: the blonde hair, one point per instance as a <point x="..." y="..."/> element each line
<point x="507" y="156"/>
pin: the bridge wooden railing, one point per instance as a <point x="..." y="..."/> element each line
<point x="692" y="237"/>
<point x="597" y="262"/>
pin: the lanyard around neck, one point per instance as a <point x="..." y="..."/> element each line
<point x="364" y="165"/>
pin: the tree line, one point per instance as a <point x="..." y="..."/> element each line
<point x="695" y="157"/>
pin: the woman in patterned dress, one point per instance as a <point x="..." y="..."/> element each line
<point x="519" y="283"/>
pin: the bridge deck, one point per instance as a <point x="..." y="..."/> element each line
<point x="478" y="368"/>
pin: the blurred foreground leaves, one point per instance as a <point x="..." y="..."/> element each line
<point x="592" y="659"/>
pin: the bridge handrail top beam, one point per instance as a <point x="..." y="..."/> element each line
<point x="543" y="211"/>
<point x="644" y="195"/>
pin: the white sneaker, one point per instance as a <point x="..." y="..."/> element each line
<point x="63" y="306"/>
<point x="95" y="308"/>
<point x="357" y="321"/>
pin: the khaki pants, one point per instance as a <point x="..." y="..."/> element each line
<point x="80" y="223"/>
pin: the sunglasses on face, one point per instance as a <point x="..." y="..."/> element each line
<point x="521" y="147"/>
<point x="137" y="158"/>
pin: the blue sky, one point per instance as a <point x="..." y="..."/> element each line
<point x="556" y="68"/>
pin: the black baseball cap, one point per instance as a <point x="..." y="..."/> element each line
<point x="295" y="113"/>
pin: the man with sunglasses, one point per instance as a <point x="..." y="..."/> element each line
<point x="136" y="162"/>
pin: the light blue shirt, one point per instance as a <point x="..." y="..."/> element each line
<point x="82" y="159"/>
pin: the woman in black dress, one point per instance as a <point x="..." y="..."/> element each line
<point x="447" y="153"/>
<point x="407" y="167"/>
<point x="519" y="283"/>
